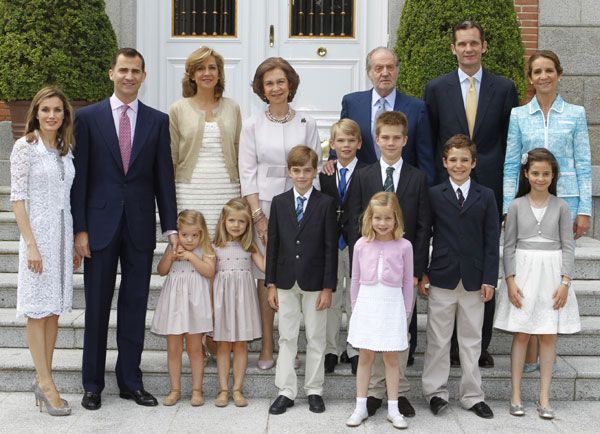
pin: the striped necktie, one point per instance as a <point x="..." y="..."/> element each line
<point x="388" y="185"/>
<point x="300" y="208"/>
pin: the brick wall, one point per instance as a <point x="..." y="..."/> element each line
<point x="4" y="114"/>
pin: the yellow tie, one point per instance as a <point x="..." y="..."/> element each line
<point x="471" y="105"/>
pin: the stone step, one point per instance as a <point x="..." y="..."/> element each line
<point x="12" y="334"/>
<point x="575" y="378"/>
<point x="5" y="198"/>
<point x="587" y="291"/>
<point x="4" y="172"/>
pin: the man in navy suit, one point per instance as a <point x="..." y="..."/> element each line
<point x="364" y="108"/>
<point x="123" y="165"/>
<point x="450" y="106"/>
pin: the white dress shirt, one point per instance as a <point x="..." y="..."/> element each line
<point x="395" y="176"/>
<point x="464" y="188"/>
<point x="305" y="195"/>
<point x="463" y="77"/>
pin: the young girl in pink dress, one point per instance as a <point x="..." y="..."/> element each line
<point x="237" y="313"/>
<point x="382" y="285"/>
<point x="183" y="311"/>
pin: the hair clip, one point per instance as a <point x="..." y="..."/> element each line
<point x="524" y="158"/>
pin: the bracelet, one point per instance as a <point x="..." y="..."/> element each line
<point x="259" y="217"/>
<point x="256" y="212"/>
<point x="567" y="283"/>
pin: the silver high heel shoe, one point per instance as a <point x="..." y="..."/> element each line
<point x="545" y="413"/>
<point x="516" y="410"/>
<point x="41" y="398"/>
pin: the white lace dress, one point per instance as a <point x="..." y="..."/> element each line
<point x="210" y="187"/>
<point x="42" y="178"/>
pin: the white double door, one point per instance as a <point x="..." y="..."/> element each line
<point x="329" y="67"/>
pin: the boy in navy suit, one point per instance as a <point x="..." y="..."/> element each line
<point x="462" y="276"/>
<point x="346" y="141"/>
<point x="301" y="274"/>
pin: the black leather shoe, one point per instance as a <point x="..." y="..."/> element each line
<point x="280" y="405"/>
<point x="353" y="364"/>
<point x="405" y="407"/>
<point x="141" y="397"/>
<point x="437" y="405"/>
<point x="316" y="404"/>
<point x="481" y="409"/>
<point x="91" y="401"/>
<point x="486" y="360"/>
<point x="344" y="357"/>
<point x="330" y="361"/>
<point x="373" y="404"/>
<point x="454" y="359"/>
<point x="410" y="361"/>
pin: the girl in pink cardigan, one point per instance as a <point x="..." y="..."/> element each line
<point x="382" y="285"/>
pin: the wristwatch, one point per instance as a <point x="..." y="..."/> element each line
<point x="567" y="283"/>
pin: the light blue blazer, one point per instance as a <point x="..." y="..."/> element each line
<point x="566" y="136"/>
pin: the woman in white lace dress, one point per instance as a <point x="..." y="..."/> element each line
<point x="205" y="130"/>
<point x="41" y="176"/>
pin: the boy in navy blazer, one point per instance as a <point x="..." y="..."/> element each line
<point x="346" y="141"/>
<point x="462" y="276"/>
<point x="301" y="274"/>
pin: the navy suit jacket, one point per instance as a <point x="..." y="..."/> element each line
<point x="497" y="97"/>
<point x="465" y="240"/>
<point x="418" y="151"/>
<point x="102" y="193"/>
<point x="306" y="253"/>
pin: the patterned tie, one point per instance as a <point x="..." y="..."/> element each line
<point x="388" y="185"/>
<point x="381" y="107"/>
<point x="461" y="198"/>
<point x="342" y="190"/>
<point x="471" y="107"/>
<point x="300" y="208"/>
<point x="125" y="137"/>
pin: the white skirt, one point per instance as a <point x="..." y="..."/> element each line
<point x="378" y="321"/>
<point x="538" y="276"/>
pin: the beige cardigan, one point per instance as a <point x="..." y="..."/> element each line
<point x="186" y="125"/>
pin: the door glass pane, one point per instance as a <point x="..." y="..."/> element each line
<point x="322" y="18"/>
<point x="205" y="18"/>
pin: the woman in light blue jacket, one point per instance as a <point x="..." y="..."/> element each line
<point x="550" y="122"/>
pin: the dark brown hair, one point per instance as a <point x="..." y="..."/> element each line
<point x="534" y="156"/>
<point x="393" y="119"/>
<point x="301" y="155"/>
<point x="127" y="52"/>
<point x="467" y="25"/>
<point x="460" y="141"/>
<point x="548" y="55"/>
<point x="192" y="64"/>
<point x="268" y="65"/>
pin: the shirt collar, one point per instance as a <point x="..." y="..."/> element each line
<point x="305" y="195"/>
<point x="463" y="188"/>
<point x="397" y="165"/>
<point x="558" y="105"/>
<point x="390" y="99"/>
<point x="351" y="166"/>
<point x="462" y="75"/>
<point x="116" y="103"/>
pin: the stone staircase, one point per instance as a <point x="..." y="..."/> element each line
<point x="577" y="375"/>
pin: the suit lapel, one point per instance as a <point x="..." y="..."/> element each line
<point x="106" y="125"/>
<point x="313" y="202"/>
<point x="329" y="184"/>
<point x="472" y="197"/>
<point x="373" y="174"/>
<point x="486" y="92"/>
<point x="449" y="194"/>
<point x="291" y="207"/>
<point x="455" y="98"/>
<point x="141" y="132"/>
<point x="404" y="180"/>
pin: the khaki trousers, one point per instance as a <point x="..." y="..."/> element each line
<point x="293" y="305"/>
<point x="444" y="306"/>
<point x="340" y="302"/>
<point x="377" y="382"/>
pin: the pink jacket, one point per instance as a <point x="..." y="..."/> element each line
<point x="397" y="267"/>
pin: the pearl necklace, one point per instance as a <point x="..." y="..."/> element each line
<point x="288" y="116"/>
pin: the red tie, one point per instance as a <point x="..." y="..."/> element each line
<point x="125" y="137"/>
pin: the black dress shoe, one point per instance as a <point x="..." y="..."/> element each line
<point x="486" y="360"/>
<point x="454" y="359"/>
<point x="344" y="357"/>
<point x="280" y="405"/>
<point x="405" y="407"/>
<point x="437" y="405"/>
<point x="141" y="397"/>
<point x="316" y="404"/>
<point x="330" y="361"/>
<point x="410" y="361"/>
<point x="481" y="409"/>
<point x="373" y="404"/>
<point x="91" y="401"/>
<point x="353" y="364"/>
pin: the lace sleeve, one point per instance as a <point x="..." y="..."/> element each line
<point x="19" y="170"/>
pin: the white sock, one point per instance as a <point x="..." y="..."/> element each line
<point x="361" y="406"/>
<point x="393" y="408"/>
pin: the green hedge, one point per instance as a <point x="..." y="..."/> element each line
<point x="425" y="35"/>
<point x="68" y="43"/>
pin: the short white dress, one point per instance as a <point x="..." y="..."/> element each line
<point x="183" y="305"/>
<point x="378" y="321"/>
<point x="537" y="274"/>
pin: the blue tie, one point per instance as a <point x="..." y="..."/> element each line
<point x="300" y="208"/>
<point x="342" y="190"/>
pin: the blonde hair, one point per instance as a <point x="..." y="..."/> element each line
<point x="345" y="126"/>
<point x="195" y="218"/>
<point x="192" y="64"/>
<point x="389" y="200"/>
<point x="222" y="236"/>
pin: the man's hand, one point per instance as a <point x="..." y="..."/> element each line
<point x="487" y="292"/>
<point x="324" y="299"/>
<point x="82" y="244"/>
<point x="174" y="241"/>
<point x="329" y="167"/>
<point x="424" y="286"/>
<point x="272" y="297"/>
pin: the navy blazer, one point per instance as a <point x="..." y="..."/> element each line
<point x="465" y="240"/>
<point x="418" y="151"/>
<point x="497" y="97"/>
<point x="102" y="193"/>
<point x="306" y="253"/>
<point x="413" y="196"/>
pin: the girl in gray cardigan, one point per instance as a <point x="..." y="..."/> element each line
<point x="538" y="267"/>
